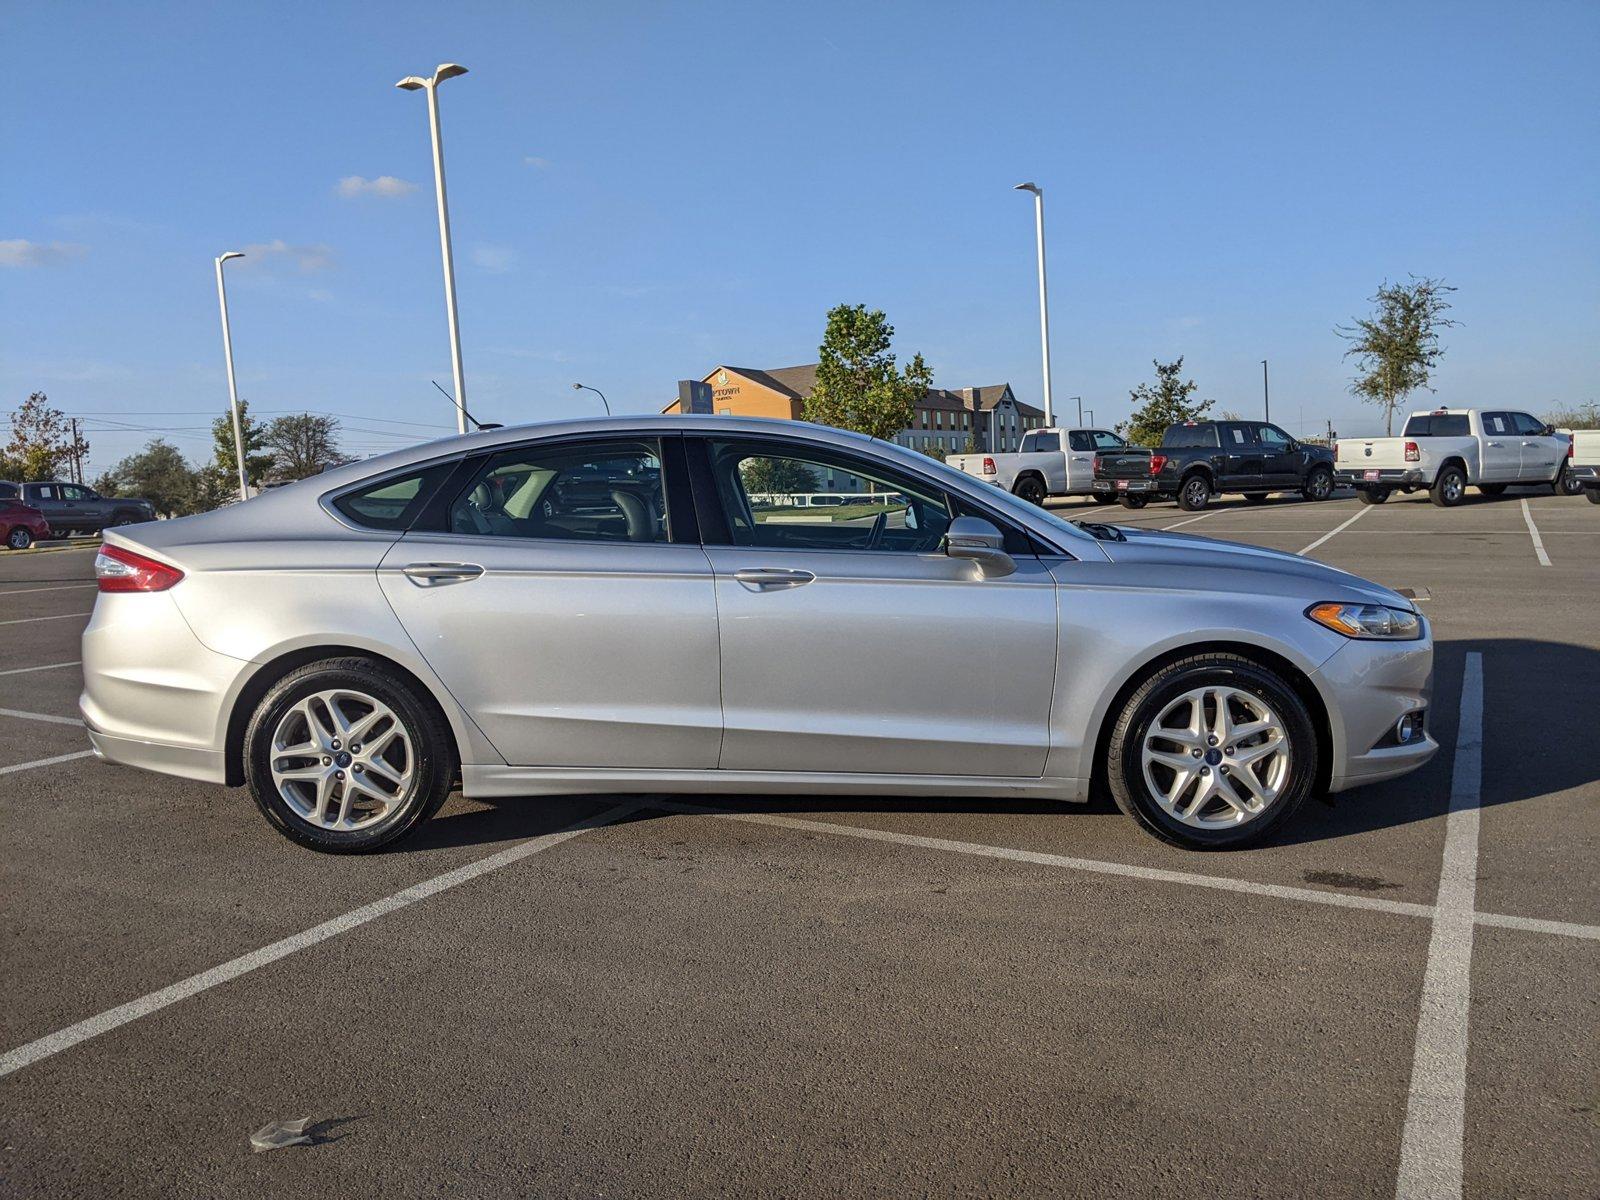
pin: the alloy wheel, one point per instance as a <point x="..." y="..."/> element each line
<point x="342" y="760"/>
<point x="1216" y="756"/>
<point x="19" y="539"/>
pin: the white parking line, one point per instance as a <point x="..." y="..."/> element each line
<point x="56" y="617"/>
<point x="1533" y="532"/>
<point x="33" y="716"/>
<point x="45" y="762"/>
<point x="1435" y="1130"/>
<point x="1337" y="529"/>
<point x="1190" y="521"/>
<point x="65" y="587"/>
<point x="42" y="667"/>
<point x="65" y="1039"/>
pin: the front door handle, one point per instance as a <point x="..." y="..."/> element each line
<point x="772" y="579"/>
<point x="435" y="574"/>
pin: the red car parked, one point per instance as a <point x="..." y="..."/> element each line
<point x="21" y="525"/>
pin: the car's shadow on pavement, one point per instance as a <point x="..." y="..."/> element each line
<point x="1535" y="743"/>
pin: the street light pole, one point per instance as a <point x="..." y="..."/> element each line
<point x="1266" y="398"/>
<point x="412" y="83"/>
<point x="1079" y="399"/>
<point x="584" y="387"/>
<point x="233" y="388"/>
<point x="1044" y="295"/>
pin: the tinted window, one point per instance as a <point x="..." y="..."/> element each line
<point x="1044" y="441"/>
<point x="1181" y="436"/>
<point x="819" y="500"/>
<point x="586" y="491"/>
<point x="1079" y="439"/>
<point x="9" y="491"/>
<point x="1437" y="425"/>
<point x="45" y="492"/>
<point x="1496" y="424"/>
<point x="395" y="502"/>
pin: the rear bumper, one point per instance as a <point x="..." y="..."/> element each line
<point x="189" y="762"/>
<point x="1136" y="487"/>
<point x="1387" y="476"/>
<point x="1585" y="474"/>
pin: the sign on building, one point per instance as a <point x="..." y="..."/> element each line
<point x="694" y="396"/>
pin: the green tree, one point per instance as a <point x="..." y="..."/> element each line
<point x="858" y="386"/>
<point x="777" y="476"/>
<point x="42" y="442"/>
<point x="1397" y="347"/>
<point x="1166" y="403"/>
<point x="219" y="478"/>
<point x="160" y="475"/>
<point x="302" y="444"/>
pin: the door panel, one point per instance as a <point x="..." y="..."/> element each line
<point x="1502" y="456"/>
<point x="1539" y="456"/>
<point x="1241" y="457"/>
<point x="1280" y="466"/>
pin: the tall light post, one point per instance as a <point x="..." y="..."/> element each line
<point x="1266" y="398"/>
<point x="233" y="388"/>
<point x="1044" y="295"/>
<point x="1079" y="399"/>
<point x="412" y="83"/>
<point x="584" y="387"/>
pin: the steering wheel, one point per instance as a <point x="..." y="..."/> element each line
<point x="875" y="534"/>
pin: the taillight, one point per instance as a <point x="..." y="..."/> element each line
<point x="1570" y="443"/>
<point x="988" y="466"/>
<point x="1157" y="461"/>
<point x="119" y="570"/>
<point x="1412" y="453"/>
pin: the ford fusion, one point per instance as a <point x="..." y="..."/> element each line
<point x="723" y="605"/>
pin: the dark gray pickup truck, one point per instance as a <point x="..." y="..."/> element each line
<point x="72" y="508"/>
<point x="1201" y="459"/>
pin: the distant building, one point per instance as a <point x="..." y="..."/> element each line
<point x="990" y="418"/>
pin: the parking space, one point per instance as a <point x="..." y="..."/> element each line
<point x="738" y="996"/>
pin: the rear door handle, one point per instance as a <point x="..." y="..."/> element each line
<point x="772" y="579"/>
<point x="436" y="574"/>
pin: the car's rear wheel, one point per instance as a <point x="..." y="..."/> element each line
<point x="1212" y="751"/>
<point x="19" y="539"/>
<point x="1103" y="498"/>
<point x="1593" y="494"/>
<point x="1564" y="484"/>
<point x="1194" y="494"/>
<point x="1492" y="489"/>
<point x="344" y="756"/>
<point x="1031" y="489"/>
<point x="1450" y="488"/>
<point x="1319" y="484"/>
<point x="1128" y="500"/>
<point x="1255" y="497"/>
<point x="1372" y="495"/>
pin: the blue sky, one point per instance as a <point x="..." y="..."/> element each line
<point x="640" y="192"/>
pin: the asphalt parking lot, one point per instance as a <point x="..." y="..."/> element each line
<point x="880" y="997"/>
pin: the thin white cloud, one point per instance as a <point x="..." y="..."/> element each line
<point x="533" y="160"/>
<point x="353" y="186"/>
<point x="1190" y="322"/>
<point x="20" y="252"/>
<point x="497" y="260"/>
<point x="312" y="257"/>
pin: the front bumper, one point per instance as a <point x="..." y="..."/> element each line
<point x="1389" y="477"/>
<point x="1370" y="686"/>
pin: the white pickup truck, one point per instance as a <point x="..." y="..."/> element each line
<point x="1049" y="462"/>
<point x="1447" y="450"/>
<point x="1583" y="463"/>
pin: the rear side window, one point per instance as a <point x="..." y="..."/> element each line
<point x="1436" y="425"/>
<point x="393" y="503"/>
<point x="1496" y="424"/>
<point x="1080" y="439"/>
<point x="606" y="491"/>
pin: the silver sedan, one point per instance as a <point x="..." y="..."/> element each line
<point x="722" y="605"/>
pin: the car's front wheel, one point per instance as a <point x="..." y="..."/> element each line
<point x="1212" y="751"/>
<point x="19" y="539"/>
<point x="344" y="756"/>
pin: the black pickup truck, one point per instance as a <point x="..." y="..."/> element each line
<point x="72" y="508"/>
<point x="1201" y="459"/>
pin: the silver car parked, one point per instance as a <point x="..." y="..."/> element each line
<point x="667" y="605"/>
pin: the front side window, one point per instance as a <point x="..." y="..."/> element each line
<point x="777" y="496"/>
<point x="1272" y="437"/>
<point x="1528" y="426"/>
<point x="1108" y="441"/>
<point x="584" y="491"/>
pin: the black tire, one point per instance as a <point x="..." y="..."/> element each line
<point x="1030" y="488"/>
<point x="1128" y="500"/>
<point x="1492" y="489"/>
<point x="1593" y="494"/>
<point x="433" y="768"/>
<point x="1194" y="493"/>
<point x="124" y="518"/>
<point x="19" y="539"/>
<point x="1564" y="484"/>
<point x="1104" y="498"/>
<point x="1450" y="488"/>
<point x="1372" y="495"/>
<point x="1319" y="484"/>
<point x="1255" y="497"/>
<point x="1124" y="767"/>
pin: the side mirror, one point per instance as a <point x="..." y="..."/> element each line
<point x="978" y="540"/>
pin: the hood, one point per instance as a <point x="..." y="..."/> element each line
<point x="1228" y="566"/>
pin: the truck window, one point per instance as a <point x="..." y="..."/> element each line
<point x="1527" y="426"/>
<point x="1436" y="425"/>
<point x="1189" y="436"/>
<point x="1079" y="439"/>
<point x="1497" y="424"/>
<point x="1041" y="439"/>
<point x="1238" y="434"/>
<point x="1107" y="441"/>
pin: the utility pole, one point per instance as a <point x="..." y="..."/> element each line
<point x="77" y="461"/>
<point x="1266" y="400"/>
<point x="233" y="388"/>
<point x="1044" y="292"/>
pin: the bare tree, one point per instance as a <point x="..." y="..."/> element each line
<point x="302" y="444"/>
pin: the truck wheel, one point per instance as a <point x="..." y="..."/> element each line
<point x="1564" y="484"/>
<point x="1104" y="498"/>
<point x="1450" y="488"/>
<point x="1178" y="768"/>
<point x="1492" y="489"/>
<point x="1372" y="495"/>
<point x="1195" y="494"/>
<point x="1128" y="501"/>
<point x="1319" y="484"/>
<point x="1593" y="494"/>
<point x="19" y="539"/>
<point x="1030" y="489"/>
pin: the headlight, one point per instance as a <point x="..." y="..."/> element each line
<point x="1368" y="621"/>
